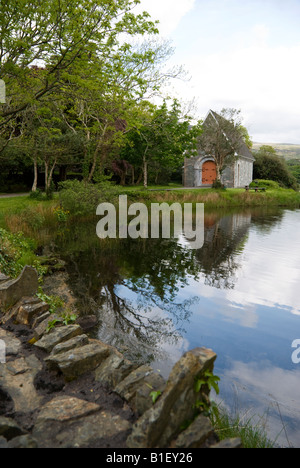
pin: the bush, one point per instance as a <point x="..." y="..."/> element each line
<point x="271" y="184"/>
<point x="80" y="198"/>
<point x="269" y="166"/>
<point x="16" y="251"/>
<point x="217" y="184"/>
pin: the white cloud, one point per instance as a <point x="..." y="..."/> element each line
<point x="260" y="80"/>
<point x="168" y="12"/>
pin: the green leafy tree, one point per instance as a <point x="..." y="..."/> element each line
<point x="56" y="36"/>
<point x="269" y="166"/>
<point x="161" y="139"/>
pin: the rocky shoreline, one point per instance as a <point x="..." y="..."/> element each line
<point x="61" y="389"/>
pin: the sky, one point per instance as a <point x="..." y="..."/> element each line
<point x="242" y="54"/>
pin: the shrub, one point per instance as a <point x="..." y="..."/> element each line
<point x="269" y="166"/>
<point x="80" y="198"/>
<point x="16" y="251"/>
<point x="217" y="184"/>
<point x="265" y="183"/>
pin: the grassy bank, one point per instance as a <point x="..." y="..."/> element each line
<point x="223" y="198"/>
<point x="252" y="434"/>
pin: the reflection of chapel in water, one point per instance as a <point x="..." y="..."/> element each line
<point x="134" y="286"/>
<point x="224" y="237"/>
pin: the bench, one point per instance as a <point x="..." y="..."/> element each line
<point x="256" y="189"/>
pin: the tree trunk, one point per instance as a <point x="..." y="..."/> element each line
<point x="139" y="178"/>
<point x="35" y="180"/>
<point x="145" y="171"/>
<point x="48" y="176"/>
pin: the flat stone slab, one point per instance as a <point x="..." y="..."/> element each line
<point x="66" y="408"/>
<point x="68" y="422"/>
<point x="78" y="361"/>
<point x="28" y="311"/>
<point x="73" y="343"/>
<point x="58" y="335"/>
<point x="136" y="388"/>
<point x="17" y="379"/>
<point x="113" y="370"/>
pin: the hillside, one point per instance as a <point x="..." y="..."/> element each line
<point x="286" y="150"/>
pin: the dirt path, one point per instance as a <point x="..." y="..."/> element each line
<point x="13" y="195"/>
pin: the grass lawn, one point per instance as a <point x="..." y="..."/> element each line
<point x="13" y="205"/>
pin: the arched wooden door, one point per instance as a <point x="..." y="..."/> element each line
<point x="209" y="173"/>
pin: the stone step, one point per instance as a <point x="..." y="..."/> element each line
<point x="17" y="380"/>
<point x="69" y="422"/>
<point x="78" y="361"/>
<point x="30" y="310"/>
<point x="136" y="388"/>
<point x="56" y="336"/>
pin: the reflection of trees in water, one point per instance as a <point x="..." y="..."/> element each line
<point x="154" y="316"/>
<point x="151" y="272"/>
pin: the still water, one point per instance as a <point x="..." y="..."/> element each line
<point x="239" y="295"/>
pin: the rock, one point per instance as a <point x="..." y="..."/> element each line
<point x="13" y="290"/>
<point x="65" y="408"/>
<point x="196" y="434"/>
<point x="143" y="400"/>
<point x="17" y="380"/>
<point x="3" y="443"/>
<point x="38" y="320"/>
<point x="161" y="423"/>
<point x="128" y="387"/>
<point x="13" y="346"/>
<point x="22" y="442"/>
<point x="58" y="335"/>
<point x="78" y="361"/>
<point x="29" y="310"/>
<point x="136" y="388"/>
<point x="3" y="278"/>
<point x="68" y="422"/>
<point x="41" y="328"/>
<point x="87" y="322"/>
<point x="113" y="370"/>
<point x="9" y="428"/>
<point x="73" y="343"/>
<point x="229" y="444"/>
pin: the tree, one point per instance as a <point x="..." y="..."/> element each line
<point x="161" y="139"/>
<point x="59" y="34"/>
<point x="222" y="137"/>
<point x="269" y="166"/>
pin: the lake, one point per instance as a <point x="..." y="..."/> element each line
<point x="238" y="295"/>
